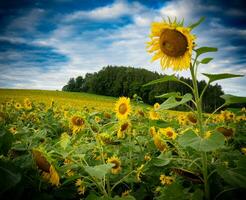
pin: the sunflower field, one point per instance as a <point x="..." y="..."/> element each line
<point x="62" y="148"/>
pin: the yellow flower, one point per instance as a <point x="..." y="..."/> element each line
<point x="18" y="106"/>
<point x="153" y="115"/>
<point x="243" y="150"/>
<point x="147" y="157"/>
<point x="81" y="186"/>
<point x="54" y="176"/>
<point x="166" y="180"/>
<point x="159" y="143"/>
<point x="97" y="119"/>
<point x="152" y="131"/>
<point x="77" y="123"/>
<point x="156" y="106"/>
<point x="117" y="164"/>
<point x="243" y="109"/>
<point x="13" y="130"/>
<point x="70" y="172"/>
<point x="182" y="119"/>
<point x="168" y="132"/>
<point x="122" y="108"/>
<point x="172" y="44"/>
<point x="27" y="104"/>
<point x="123" y="127"/>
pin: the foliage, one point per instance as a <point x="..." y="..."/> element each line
<point x="126" y="81"/>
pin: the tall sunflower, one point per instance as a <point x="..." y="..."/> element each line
<point x="122" y="108"/>
<point x="172" y="44"/>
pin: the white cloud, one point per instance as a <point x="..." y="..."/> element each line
<point x="89" y="50"/>
<point x="118" y="9"/>
<point x="27" y="22"/>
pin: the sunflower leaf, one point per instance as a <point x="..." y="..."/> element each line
<point x="170" y="94"/>
<point x="202" y="50"/>
<point x="98" y="171"/>
<point x="191" y="139"/>
<point x="215" y="77"/>
<point x="206" y="60"/>
<point x="161" y="80"/>
<point x="192" y="26"/>
<point x="231" y="99"/>
<point x="171" y="102"/>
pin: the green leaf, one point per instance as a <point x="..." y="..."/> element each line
<point x="170" y="94"/>
<point x="202" y="50"/>
<point x="192" y="26"/>
<point x="191" y="139"/>
<point x="161" y="80"/>
<point x="216" y="77"/>
<point x="231" y="99"/>
<point x="206" y="60"/>
<point x="171" y="102"/>
<point x="162" y="160"/>
<point x="6" y="139"/>
<point x="99" y="171"/>
<point x="235" y="177"/>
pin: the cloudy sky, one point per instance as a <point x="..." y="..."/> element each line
<point x="45" y="42"/>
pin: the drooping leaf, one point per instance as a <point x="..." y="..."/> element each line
<point x="162" y="160"/>
<point x="202" y="50"/>
<point x="192" y="26"/>
<point x="191" y="139"/>
<point x="170" y="94"/>
<point x="231" y="99"/>
<point x="171" y="102"/>
<point x="161" y="80"/>
<point x="206" y="60"/>
<point x="99" y="171"/>
<point x="216" y="77"/>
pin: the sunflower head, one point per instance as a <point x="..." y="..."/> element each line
<point x="168" y="132"/>
<point x="117" y="164"/>
<point x="122" y="108"/>
<point x="77" y="123"/>
<point x="172" y="44"/>
<point x="18" y="106"/>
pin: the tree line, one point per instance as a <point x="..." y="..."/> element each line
<point x="126" y="81"/>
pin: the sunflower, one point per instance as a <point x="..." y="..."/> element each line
<point x="13" y="130"/>
<point x="154" y="115"/>
<point x="77" y="123"/>
<point x="27" y="104"/>
<point x="172" y="44"/>
<point x="168" y="132"/>
<point x="166" y="180"/>
<point x="18" y="106"/>
<point x="122" y="108"/>
<point x="49" y="172"/>
<point x="123" y="127"/>
<point x="159" y="143"/>
<point x="152" y="131"/>
<point x="117" y="164"/>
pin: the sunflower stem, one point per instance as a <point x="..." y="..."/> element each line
<point x="198" y="101"/>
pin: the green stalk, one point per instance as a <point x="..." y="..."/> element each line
<point x="198" y="101"/>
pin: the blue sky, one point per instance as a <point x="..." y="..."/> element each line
<point x="43" y="42"/>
